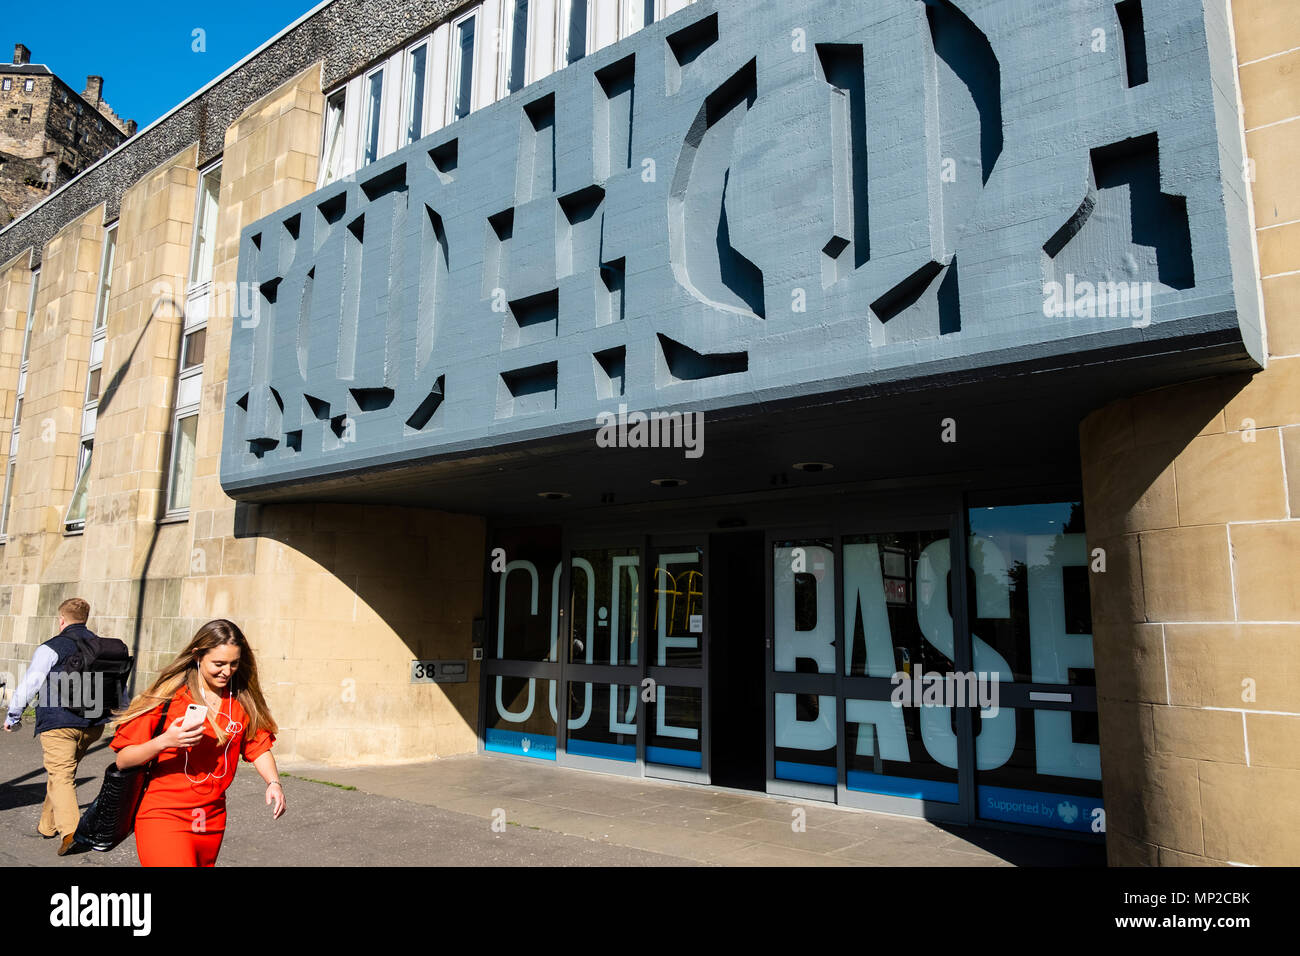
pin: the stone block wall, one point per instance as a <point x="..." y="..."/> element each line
<point x="1194" y="494"/>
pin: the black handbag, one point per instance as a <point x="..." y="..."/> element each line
<point x="110" y="818"/>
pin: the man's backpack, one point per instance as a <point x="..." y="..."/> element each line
<point x="100" y="661"/>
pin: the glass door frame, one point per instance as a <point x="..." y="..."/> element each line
<point x="600" y="674"/>
<point x="631" y="675"/>
<point x="667" y="675"/>
<point x="857" y="687"/>
<point x="782" y="682"/>
<point x="492" y="667"/>
<point x="946" y="511"/>
<point x="1027" y="695"/>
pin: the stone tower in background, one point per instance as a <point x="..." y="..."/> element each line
<point x="48" y="131"/>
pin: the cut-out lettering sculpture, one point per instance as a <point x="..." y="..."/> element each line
<point x="510" y="275"/>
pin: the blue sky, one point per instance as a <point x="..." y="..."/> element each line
<point x="144" y="49"/>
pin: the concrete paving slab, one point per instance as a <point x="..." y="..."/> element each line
<point x="689" y="818"/>
<point x="765" y="854"/>
<point x="783" y="834"/>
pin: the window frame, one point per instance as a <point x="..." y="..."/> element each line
<point x="11" y="468"/>
<point x="10" y="471"/>
<point x="632" y="19"/>
<point x="95" y="363"/>
<point x="364" y="115"/>
<point x="80" y="488"/>
<point x="198" y="298"/>
<point x="408" y="54"/>
<point x="546" y="50"/>
<point x="453" y="64"/>
<point x="323" y="177"/>
<point x="506" y="57"/>
<point x="108" y="257"/>
<point x="563" y="19"/>
<point x="182" y="415"/>
<point x="195" y="287"/>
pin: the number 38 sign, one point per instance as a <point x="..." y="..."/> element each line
<point x="438" y="672"/>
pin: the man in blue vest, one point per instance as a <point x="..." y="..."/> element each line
<point x="66" y="734"/>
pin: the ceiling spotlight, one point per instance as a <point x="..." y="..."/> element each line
<point x="668" y="482"/>
<point x="552" y="495"/>
<point x="812" y="466"/>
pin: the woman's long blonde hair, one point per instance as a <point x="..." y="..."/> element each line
<point x="185" y="670"/>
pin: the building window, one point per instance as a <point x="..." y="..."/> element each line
<point x="181" y="475"/>
<point x="440" y="77"/>
<point x="75" y="520"/>
<point x="414" y="96"/>
<point x="573" y="29"/>
<point x="29" y="85"/>
<point x="7" y="84"/>
<point x="9" y="483"/>
<point x="373" y="125"/>
<point x="205" y="229"/>
<point x="18" y="407"/>
<point x="332" y="147"/>
<point x="189" y="378"/>
<point x="517" y="57"/>
<point x="76" y="517"/>
<point x="461" y="85"/>
<point x="639" y="14"/>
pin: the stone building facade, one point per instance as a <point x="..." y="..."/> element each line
<point x="48" y="131"/>
<point x="121" y="296"/>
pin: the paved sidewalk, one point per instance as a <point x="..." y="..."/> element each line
<point x="701" y="824"/>
<point x="442" y="813"/>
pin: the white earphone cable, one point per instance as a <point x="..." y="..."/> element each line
<point x="233" y="728"/>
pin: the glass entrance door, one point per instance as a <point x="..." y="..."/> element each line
<point x="604" y="659"/>
<point x="634" y="666"/>
<point x="803" y="655"/>
<point x="857" y="621"/>
<point x="521" y="668"/>
<point x="676" y="725"/>
<point x="906" y="679"/>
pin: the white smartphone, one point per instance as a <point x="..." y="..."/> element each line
<point x="195" y="715"/>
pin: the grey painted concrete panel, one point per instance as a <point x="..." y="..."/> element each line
<point x="911" y="174"/>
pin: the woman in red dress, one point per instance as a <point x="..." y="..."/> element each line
<point x="182" y="817"/>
